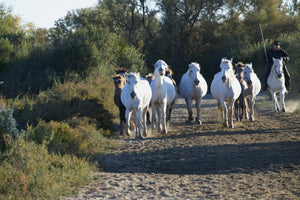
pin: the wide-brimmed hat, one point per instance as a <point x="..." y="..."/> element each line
<point x="276" y="43"/>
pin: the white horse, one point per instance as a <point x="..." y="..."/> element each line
<point x="193" y="87"/>
<point x="276" y="84"/>
<point x="254" y="87"/>
<point x="136" y="96"/>
<point x="226" y="89"/>
<point x="163" y="96"/>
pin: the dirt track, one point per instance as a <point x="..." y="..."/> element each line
<point x="255" y="160"/>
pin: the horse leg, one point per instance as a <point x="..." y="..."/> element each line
<point x="153" y="108"/>
<point x="164" y="118"/>
<point x="246" y="107"/>
<point x="138" y="122"/>
<point x="236" y="110"/>
<point x="225" y="112"/>
<point x="198" y="106"/>
<point x="252" y="102"/>
<point x="243" y="111"/>
<point x="282" y="96"/>
<point x="148" y="116"/>
<point x="275" y="102"/>
<point x="170" y="112"/>
<point x="189" y="104"/>
<point x="128" y="116"/>
<point x="158" y="110"/>
<point x="144" y="117"/>
<point x="169" y="108"/>
<point x="230" y="113"/>
<point x="122" y="111"/>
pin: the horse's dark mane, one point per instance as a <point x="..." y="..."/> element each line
<point x="121" y="70"/>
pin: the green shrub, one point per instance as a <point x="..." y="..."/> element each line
<point x="81" y="138"/>
<point x="28" y="171"/>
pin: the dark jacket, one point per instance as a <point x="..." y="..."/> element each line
<point x="277" y="54"/>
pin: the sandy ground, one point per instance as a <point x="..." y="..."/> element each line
<point x="255" y="160"/>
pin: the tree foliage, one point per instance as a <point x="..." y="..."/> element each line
<point x="135" y="33"/>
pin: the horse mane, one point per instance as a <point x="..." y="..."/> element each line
<point x="169" y="71"/>
<point x="238" y="66"/>
<point x="121" y="70"/>
<point x="149" y="77"/>
<point x="195" y="64"/>
<point x="136" y="75"/>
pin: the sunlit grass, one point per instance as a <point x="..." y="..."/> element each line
<point x="65" y="130"/>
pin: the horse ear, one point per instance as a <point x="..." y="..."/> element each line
<point x="126" y="75"/>
<point x="273" y="59"/>
<point x="231" y="59"/>
<point x="281" y="58"/>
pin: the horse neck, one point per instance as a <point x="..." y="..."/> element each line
<point x="230" y="78"/>
<point x="159" y="80"/>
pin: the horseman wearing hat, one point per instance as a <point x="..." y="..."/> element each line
<point x="276" y="52"/>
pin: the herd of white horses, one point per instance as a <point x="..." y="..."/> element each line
<point x="233" y="92"/>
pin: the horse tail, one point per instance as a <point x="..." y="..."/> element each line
<point x="219" y="107"/>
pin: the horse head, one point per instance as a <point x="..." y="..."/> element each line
<point x="132" y="80"/>
<point x="160" y="68"/>
<point x="119" y="81"/>
<point x="194" y="72"/>
<point x="278" y="67"/>
<point x="226" y="69"/>
<point x="247" y="72"/>
<point x="149" y="77"/>
<point x="239" y="71"/>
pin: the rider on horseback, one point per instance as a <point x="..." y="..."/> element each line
<point x="276" y="52"/>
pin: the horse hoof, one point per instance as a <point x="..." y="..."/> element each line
<point x="283" y="110"/>
<point x="164" y="132"/>
<point x="127" y="133"/>
<point x="231" y="126"/>
<point x="199" y="122"/>
<point x="141" y="137"/>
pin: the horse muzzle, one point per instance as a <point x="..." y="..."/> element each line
<point x="196" y="82"/>
<point x="224" y="79"/>
<point x="133" y="95"/>
<point x="279" y="75"/>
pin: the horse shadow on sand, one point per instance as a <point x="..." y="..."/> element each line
<point x="205" y="160"/>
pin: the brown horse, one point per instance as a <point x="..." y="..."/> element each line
<point x="120" y="81"/>
<point x="241" y="105"/>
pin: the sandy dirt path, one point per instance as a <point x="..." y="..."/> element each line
<point x="255" y="160"/>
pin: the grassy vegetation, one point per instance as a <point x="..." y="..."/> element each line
<point x="64" y="131"/>
<point x="29" y="171"/>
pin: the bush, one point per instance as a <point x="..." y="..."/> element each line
<point x="80" y="138"/>
<point x="28" y="171"/>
